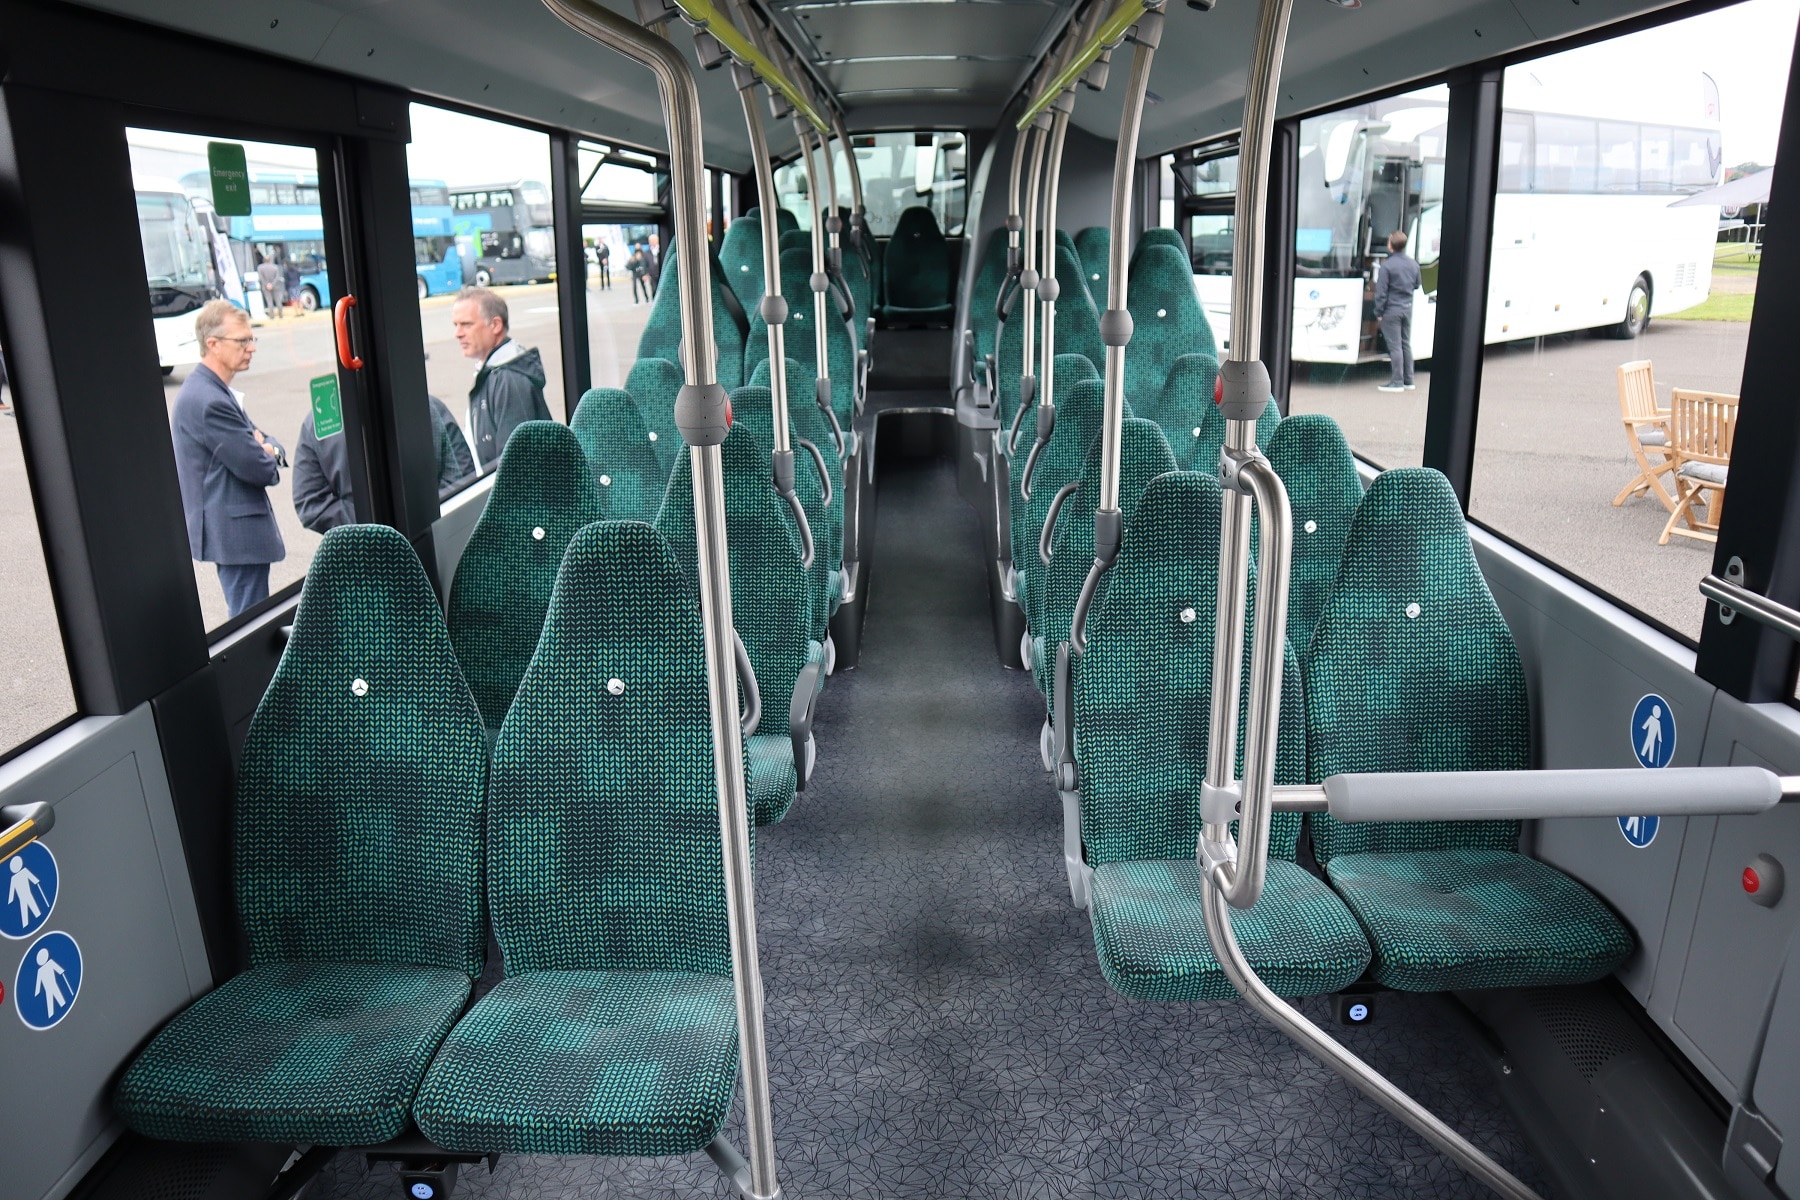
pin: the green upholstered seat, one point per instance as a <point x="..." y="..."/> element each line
<point x="662" y="333"/>
<point x="1077" y="332"/>
<point x="1077" y="320"/>
<point x="1200" y="451"/>
<point x="1080" y="398"/>
<point x="1166" y="320"/>
<point x="1308" y="451"/>
<point x="801" y="343"/>
<point x="655" y="383"/>
<point x="615" y="1029"/>
<point x="810" y="421"/>
<point x="916" y="271"/>
<point x="1412" y="668"/>
<point x="785" y="220"/>
<point x="1143" y="455"/>
<point x="543" y="493"/>
<point x="620" y="454"/>
<point x="357" y="869"/>
<point x="770" y="597"/>
<point x="1160" y="235"/>
<point x="1183" y="409"/>
<point x="753" y="409"/>
<point x="983" y="301"/>
<point x="740" y="257"/>
<point x="1094" y="245"/>
<point x="795" y="239"/>
<point x="1142" y="716"/>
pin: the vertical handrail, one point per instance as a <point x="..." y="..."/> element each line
<point x="702" y="413"/>
<point x="820" y="280"/>
<point x="773" y="306"/>
<point x="858" y="214"/>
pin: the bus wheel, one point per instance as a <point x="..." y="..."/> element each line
<point x="309" y="298"/>
<point x="424" y="289"/>
<point x="1637" y="311"/>
<point x="168" y="371"/>
<point x="483" y="277"/>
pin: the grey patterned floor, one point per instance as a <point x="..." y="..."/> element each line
<point x="937" y="1024"/>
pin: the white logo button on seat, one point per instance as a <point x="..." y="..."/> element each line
<point x="537" y="534"/>
<point x="359" y="687"/>
<point x="1162" y="312"/>
<point x="653" y="435"/>
<point x="606" y="481"/>
<point x="1187" y="616"/>
<point x="1312" y="527"/>
<point x="1196" y="431"/>
<point x="1412" y="611"/>
<point x="616" y="686"/>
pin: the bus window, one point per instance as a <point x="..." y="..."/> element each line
<point x="1367" y="173"/>
<point x="899" y="171"/>
<point x="257" y="502"/>
<point x="1564" y="158"/>
<point x="620" y="196"/>
<point x="1594" y="274"/>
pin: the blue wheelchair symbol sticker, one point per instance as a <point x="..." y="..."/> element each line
<point x="48" y="981"/>
<point x="1653" y="732"/>
<point x="29" y="879"/>
<point x="1639" y="831"/>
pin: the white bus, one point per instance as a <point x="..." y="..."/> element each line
<point x="1585" y="235"/>
<point x="178" y="267"/>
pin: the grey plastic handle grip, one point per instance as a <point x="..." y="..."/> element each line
<point x="752" y="716"/>
<point x="1542" y="795"/>
<point x="1048" y="532"/>
<point x="818" y="462"/>
<point x="804" y="526"/>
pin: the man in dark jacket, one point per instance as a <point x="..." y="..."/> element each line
<point x="509" y="387"/>
<point x="1394" y="288"/>
<point x="322" y="492"/>
<point x="225" y="463"/>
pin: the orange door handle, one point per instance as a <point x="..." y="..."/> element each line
<point x="340" y="317"/>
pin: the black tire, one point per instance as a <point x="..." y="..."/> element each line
<point x="168" y="371"/>
<point x="424" y="289"/>
<point x="1637" y="311"/>
<point x="309" y="298"/>
<point x="483" y="277"/>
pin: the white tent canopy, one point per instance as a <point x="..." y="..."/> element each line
<point x="1751" y="189"/>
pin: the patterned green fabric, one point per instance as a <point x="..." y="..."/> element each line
<point x="542" y="494"/>
<point x="857" y="278"/>
<point x="323" y="1053"/>
<point x="1143" y="455"/>
<point x="983" y="318"/>
<point x="1445" y="920"/>
<point x="1439" y="691"/>
<point x="1308" y="451"/>
<point x="1094" y="245"/>
<point x="740" y="256"/>
<point x="1203" y="448"/>
<point x="794" y="239"/>
<point x="1185" y="408"/>
<point x="1080" y="397"/>
<point x="1157" y="236"/>
<point x="1077" y="320"/>
<point x="1167" y="321"/>
<point x="605" y="1062"/>
<point x="655" y="383"/>
<point x="773" y="778"/>
<point x="620" y="454"/>
<point x="917" y="269"/>
<point x="809" y="420"/>
<point x="1143" y="690"/>
<point x="753" y="408"/>
<point x="382" y="791"/>
<point x="785" y="221"/>
<point x="801" y="343"/>
<point x="662" y="333"/>
<point x="1150" y="934"/>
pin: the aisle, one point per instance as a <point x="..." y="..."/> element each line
<point x="937" y="1025"/>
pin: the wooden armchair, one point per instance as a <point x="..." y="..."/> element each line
<point x="1702" y="426"/>
<point x="1647" y="433"/>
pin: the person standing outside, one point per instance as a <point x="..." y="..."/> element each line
<point x="652" y="264"/>
<point x="269" y="279"/>
<point x="509" y="386"/>
<point x="1394" y="288"/>
<point x="639" y="273"/>
<point x="603" y="258"/>
<point x="323" y="495"/>
<point x="225" y="464"/>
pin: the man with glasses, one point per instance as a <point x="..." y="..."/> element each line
<point x="225" y="463"/>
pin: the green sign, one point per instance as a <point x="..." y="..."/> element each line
<point x="328" y="408"/>
<point x="230" y="179"/>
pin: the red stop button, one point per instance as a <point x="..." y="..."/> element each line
<point x="1218" y="389"/>
<point x="1752" y="881"/>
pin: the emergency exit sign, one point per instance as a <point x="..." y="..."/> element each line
<point x="230" y="179"/>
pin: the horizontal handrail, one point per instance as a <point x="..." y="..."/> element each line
<point x="1541" y="795"/>
<point x="1111" y="33"/>
<point x="25" y="823"/>
<point x="1740" y="599"/>
<point x="702" y="14"/>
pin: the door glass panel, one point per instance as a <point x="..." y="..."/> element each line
<point x="500" y="237"/>
<point x="899" y="171"/>
<point x="619" y="181"/>
<point x="261" y="480"/>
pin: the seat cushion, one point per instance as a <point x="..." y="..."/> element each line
<point x="1151" y="936"/>
<point x="587" y="1062"/>
<point x="772" y="780"/>
<point x="1440" y="920"/>
<point x="1705" y="472"/>
<point x="322" y="1053"/>
<point x="1651" y="436"/>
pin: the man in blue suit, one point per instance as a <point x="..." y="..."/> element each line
<point x="225" y="463"/>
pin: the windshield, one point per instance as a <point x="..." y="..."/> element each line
<point x="175" y="252"/>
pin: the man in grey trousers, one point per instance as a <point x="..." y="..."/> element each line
<point x="1394" y="288"/>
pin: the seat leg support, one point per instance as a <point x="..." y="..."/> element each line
<point x="1080" y="874"/>
<point x="736" y="1169"/>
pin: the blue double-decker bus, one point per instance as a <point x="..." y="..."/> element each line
<point x="286" y="223"/>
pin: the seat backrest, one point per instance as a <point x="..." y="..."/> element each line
<point x="771" y="601"/>
<point x="753" y="408"/>
<point x="1637" y="391"/>
<point x="1206" y="440"/>
<point x="858" y="280"/>
<point x="1166" y="321"/>
<point x="1185" y="409"/>
<point x="655" y="383"/>
<point x="543" y="493"/>
<point x="917" y="270"/>
<point x="1077" y="321"/>
<point x="1156" y="236"/>
<point x="603" y="815"/>
<point x="620" y="454"/>
<point x="1308" y="451"/>
<point x="795" y="239"/>
<point x="800" y="342"/>
<point x="662" y="333"/>
<point x="1094" y="245"/>
<point x="360" y="791"/>
<point x="1412" y="667"/>
<point x="1143" y="690"/>
<point x="982" y="301"/>
<point x="1079" y="399"/>
<point x="808" y="419"/>
<point x="740" y="254"/>
<point x="1703" y="425"/>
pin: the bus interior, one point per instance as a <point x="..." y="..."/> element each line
<point x="930" y="598"/>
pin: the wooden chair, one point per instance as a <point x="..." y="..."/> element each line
<point x="1646" y="431"/>
<point x="1702" y="425"/>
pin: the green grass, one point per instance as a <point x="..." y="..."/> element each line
<point x="1717" y="307"/>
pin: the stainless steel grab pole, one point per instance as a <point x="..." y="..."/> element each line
<point x="1026" y="303"/>
<point x="821" y="343"/>
<point x="858" y="214"/>
<point x="702" y="415"/>
<point x="774" y="308"/>
<point x="1115" y="324"/>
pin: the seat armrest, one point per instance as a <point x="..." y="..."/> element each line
<point x="1068" y="774"/>
<point x="800" y="718"/>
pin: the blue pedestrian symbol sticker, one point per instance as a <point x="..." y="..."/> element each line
<point x="29" y="880"/>
<point x="1639" y="831"/>
<point x="49" y="980"/>
<point x="1653" y="732"/>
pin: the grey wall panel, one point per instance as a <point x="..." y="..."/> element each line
<point x="1587" y="663"/>
<point x="450" y="534"/>
<point x="1776" y="1091"/>
<point x="123" y="897"/>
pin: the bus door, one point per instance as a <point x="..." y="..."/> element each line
<point x="1392" y="201"/>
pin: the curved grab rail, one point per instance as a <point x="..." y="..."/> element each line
<point x="752" y="690"/>
<point x="800" y="521"/>
<point x="819" y="464"/>
<point x="27" y="823"/>
<point x="340" y="324"/>
<point x="1049" y="530"/>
